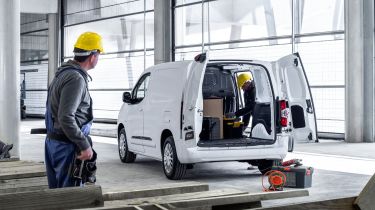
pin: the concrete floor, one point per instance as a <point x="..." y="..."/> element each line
<point x="341" y="169"/>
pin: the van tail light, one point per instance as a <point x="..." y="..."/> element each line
<point x="283" y="113"/>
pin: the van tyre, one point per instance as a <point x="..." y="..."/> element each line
<point x="265" y="165"/>
<point x="125" y="155"/>
<point x="172" y="167"/>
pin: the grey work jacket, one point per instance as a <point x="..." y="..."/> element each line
<point x="71" y="104"/>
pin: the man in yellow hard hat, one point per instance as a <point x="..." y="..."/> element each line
<point x="246" y="83"/>
<point x="69" y="114"/>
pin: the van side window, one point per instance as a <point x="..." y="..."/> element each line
<point x="141" y="88"/>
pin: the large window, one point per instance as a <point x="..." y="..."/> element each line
<point x="268" y="30"/>
<point x="127" y="28"/>
<point x="34" y="62"/>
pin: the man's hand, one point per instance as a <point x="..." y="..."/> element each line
<point x="230" y="115"/>
<point x="86" y="154"/>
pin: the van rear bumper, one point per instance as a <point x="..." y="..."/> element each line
<point x="196" y="154"/>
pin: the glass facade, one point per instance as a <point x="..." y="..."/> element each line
<point x="127" y="28"/>
<point x="232" y="29"/>
<point x="268" y="30"/>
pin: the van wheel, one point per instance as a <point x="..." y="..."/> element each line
<point x="125" y="155"/>
<point x="173" y="169"/>
<point x="265" y="165"/>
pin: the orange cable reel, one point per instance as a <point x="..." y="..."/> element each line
<point x="276" y="179"/>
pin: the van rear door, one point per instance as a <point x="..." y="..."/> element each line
<point x="192" y="104"/>
<point x="295" y="87"/>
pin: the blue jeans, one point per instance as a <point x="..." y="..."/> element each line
<point x="58" y="158"/>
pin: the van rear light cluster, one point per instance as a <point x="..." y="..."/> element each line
<point x="284" y="112"/>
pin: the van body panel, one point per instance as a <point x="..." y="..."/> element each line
<point x="163" y="107"/>
<point x="295" y="88"/>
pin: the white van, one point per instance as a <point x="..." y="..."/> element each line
<point x="176" y="113"/>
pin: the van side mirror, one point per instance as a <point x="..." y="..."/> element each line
<point x="127" y="97"/>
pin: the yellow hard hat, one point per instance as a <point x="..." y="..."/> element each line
<point x="242" y="78"/>
<point x="89" y="41"/>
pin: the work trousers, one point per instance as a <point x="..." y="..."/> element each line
<point x="59" y="157"/>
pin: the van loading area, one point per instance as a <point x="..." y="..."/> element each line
<point x="340" y="170"/>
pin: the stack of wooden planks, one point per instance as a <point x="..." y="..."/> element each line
<point x="23" y="185"/>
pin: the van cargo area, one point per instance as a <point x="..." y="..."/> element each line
<point x="222" y="95"/>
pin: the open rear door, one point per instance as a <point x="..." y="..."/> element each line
<point x="192" y="106"/>
<point x="295" y="87"/>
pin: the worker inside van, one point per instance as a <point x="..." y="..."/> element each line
<point x="246" y="83"/>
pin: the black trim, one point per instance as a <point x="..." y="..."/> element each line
<point x="235" y="142"/>
<point x="136" y="86"/>
<point x="96" y="8"/>
<point x="193" y="3"/>
<point x="112" y="89"/>
<point x="142" y="138"/>
<point x="100" y="90"/>
<point x="34" y="31"/>
<point x="107" y="18"/>
<point x="31" y="61"/>
<point x="173" y="33"/>
<point x="327" y="86"/>
<point x="264" y="39"/>
<point x="34" y="21"/>
<point x="62" y="30"/>
<point x="36" y="90"/>
<point x="120" y="52"/>
<point x="181" y="112"/>
<point x="312" y="101"/>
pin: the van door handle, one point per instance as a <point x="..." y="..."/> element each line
<point x="140" y="110"/>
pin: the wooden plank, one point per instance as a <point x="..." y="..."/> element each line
<point x="334" y="204"/>
<point x="22" y="172"/>
<point x="175" y="197"/>
<point x="157" y="190"/>
<point x="10" y="159"/>
<point x="22" y="169"/>
<point x="62" y="198"/>
<point x="12" y="183"/>
<point x="20" y="175"/>
<point x="10" y="164"/>
<point x="22" y="185"/>
<point x="23" y="189"/>
<point x="215" y="199"/>
<point x="366" y="199"/>
<point x="238" y="199"/>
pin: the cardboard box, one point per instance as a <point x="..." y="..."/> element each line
<point x="214" y="108"/>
